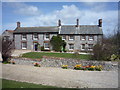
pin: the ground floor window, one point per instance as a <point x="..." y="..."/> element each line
<point x="90" y="46"/>
<point x="46" y="46"/>
<point x="83" y="47"/>
<point x="71" y="46"/>
<point x="24" y="45"/>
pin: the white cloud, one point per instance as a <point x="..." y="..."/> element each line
<point x="23" y="8"/>
<point x="68" y="15"/>
<point x="30" y="10"/>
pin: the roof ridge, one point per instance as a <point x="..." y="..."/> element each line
<point x="38" y="26"/>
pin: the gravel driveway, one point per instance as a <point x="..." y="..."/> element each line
<point x="60" y="77"/>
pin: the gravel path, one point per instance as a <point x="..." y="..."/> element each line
<point x="60" y="77"/>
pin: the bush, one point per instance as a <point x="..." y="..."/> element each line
<point x="57" y="43"/>
<point x="7" y="48"/>
<point x="42" y="48"/>
<point x="114" y="57"/>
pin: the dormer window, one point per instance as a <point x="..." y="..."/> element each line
<point x="83" y="37"/>
<point x="71" y="37"/>
<point x="91" y="37"/>
<point x="24" y="37"/>
<point x="35" y="36"/>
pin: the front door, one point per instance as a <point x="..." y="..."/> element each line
<point x="35" y="46"/>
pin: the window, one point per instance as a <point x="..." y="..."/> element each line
<point x="71" y="37"/>
<point x="24" y="45"/>
<point x="63" y="37"/>
<point x="5" y="38"/>
<point x="83" y="37"/>
<point x="83" y="47"/>
<point x="91" y="38"/>
<point x="47" y="36"/>
<point x="90" y="46"/>
<point x="24" y="37"/>
<point x="46" y="45"/>
<point x="71" y="46"/>
<point x="35" y="36"/>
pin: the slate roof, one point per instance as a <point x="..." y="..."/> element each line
<point x="65" y="29"/>
<point x="82" y="29"/>
<point x="36" y="29"/>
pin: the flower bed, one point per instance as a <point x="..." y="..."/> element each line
<point x="9" y="62"/>
<point x="36" y="64"/>
<point x="89" y="67"/>
<point x="64" y="66"/>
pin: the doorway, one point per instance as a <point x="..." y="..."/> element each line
<point x="36" y="46"/>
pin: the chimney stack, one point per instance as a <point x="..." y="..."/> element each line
<point x="59" y="22"/>
<point x="100" y="22"/>
<point x="77" y="22"/>
<point x="18" y="24"/>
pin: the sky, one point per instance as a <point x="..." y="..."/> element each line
<point x="32" y="14"/>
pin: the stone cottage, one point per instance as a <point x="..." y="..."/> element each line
<point x="78" y="37"/>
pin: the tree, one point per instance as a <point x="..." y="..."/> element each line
<point x="7" y="47"/>
<point x="110" y="45"/>
<point x="57" y="43"/>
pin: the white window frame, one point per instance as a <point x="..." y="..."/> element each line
<point x="82" y="47"/>
<point x="92" y="38"/>
<point x="46" y="35"/>
<point x="70" y="38"/>
<point x="89" y="47"/>
<point x="82" y="38"/>
<point x="34" y="36"/>
<point x="23" y="45"/>
<point x="45" y="47"/>
<point x="23" y="37"/>
<point x="64" y="37"/>
<point x="70" y="46"/>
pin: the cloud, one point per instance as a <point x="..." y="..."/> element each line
<point x="28" y="10"/>
<point x="24" y="9"/>
<point x="68" y="15"/>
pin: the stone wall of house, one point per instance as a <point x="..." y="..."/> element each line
<point x="58" y="62"/>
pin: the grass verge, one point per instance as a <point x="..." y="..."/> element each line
<point x="16" y="84"/>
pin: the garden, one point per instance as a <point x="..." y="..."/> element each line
<point x="39" y="55"/>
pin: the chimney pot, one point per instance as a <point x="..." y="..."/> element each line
<point x="18" y="24"/>
<point x="77" y="22"/>
<point x="59" y="22"/>
<point x="100" y="22"/>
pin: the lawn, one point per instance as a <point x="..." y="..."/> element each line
<point x="38" y="55"/>
<point x="16" y="84"/>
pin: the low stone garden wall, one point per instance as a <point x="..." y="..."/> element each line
<point x="58" y="62"/>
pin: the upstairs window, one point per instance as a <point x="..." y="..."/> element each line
<point x="83" y="37"/>
<point x="91" y="37"/>
<point x="47" y="36"/>
<point x="24" y="37"/>
<point x="63" y="37"/>
<point x="35" y="36"/>
<point x="5" y="38"/>
<point x="71" y="46"/>
<point x="71" y="37"/>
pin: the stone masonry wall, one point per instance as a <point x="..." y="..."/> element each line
<point x="58" y="62"/>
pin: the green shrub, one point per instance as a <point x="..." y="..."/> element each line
<point x="42" y="48"/>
